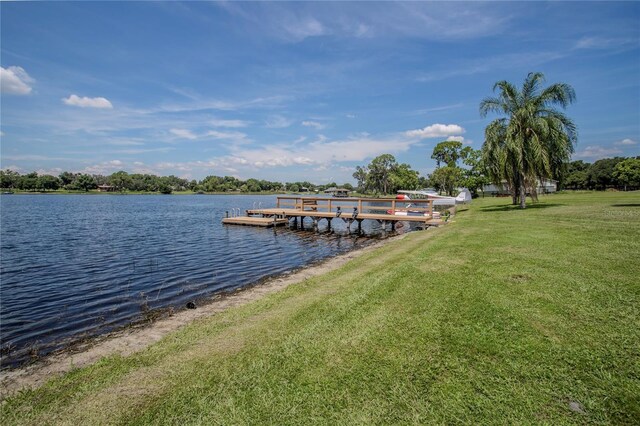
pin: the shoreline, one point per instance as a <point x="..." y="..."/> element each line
<point x="130" y="340"/>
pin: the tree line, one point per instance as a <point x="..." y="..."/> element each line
<point x="619" y="173"/>
<point x="122" y="181"/>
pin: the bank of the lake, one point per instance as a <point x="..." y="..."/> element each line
<point x="74" y="267"/>
<point x="504" y="316"/>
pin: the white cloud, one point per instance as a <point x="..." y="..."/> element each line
<point x="435" y="131"/>
<point x="234" y="136"/>
<point x="594" y="151"/>
<point x="15" y="81"/>
<point x="319" y="152"/>
<point x="278" y="122"/>
<point x="86" y="102"/>
<point x="229" y="123"/>
<point x="626" y="142"/>
<point x="183" y="134"/>
<point x="301" y="29"/>
<point x="604" y="43"/>
<point x="314" y="124"/>
<point x="456" y="138"/>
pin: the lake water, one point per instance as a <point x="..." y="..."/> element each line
<point x="75" y="266"/>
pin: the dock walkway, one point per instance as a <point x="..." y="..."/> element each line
<point x="384" y="210"/>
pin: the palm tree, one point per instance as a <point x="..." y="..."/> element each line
<point x="534" y="140"/>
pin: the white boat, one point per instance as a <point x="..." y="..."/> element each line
<point x="464" y="197"/>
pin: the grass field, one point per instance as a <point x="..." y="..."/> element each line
<point x="502" y="317"/>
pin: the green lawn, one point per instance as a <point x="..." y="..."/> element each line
<point x="502" y="317"/>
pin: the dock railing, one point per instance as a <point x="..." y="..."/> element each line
<point x="328" y="204"/>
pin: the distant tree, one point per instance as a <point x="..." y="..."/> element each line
<point x="84" y="182"/>
<point x="474" y="177"/>
<point x="446" y="178"/>
<point x="348" y="186"/>
<point x="600" y="173"/>
<point x="576" y="176"/>
<point x="9" y="179"/>
<point x="48" y="183"/>
<point x="253" y="185"/>
<point x="361" y="175"/>
<point x="66" y="178"/>
<point x="28" y="182"/>
<point x="402" y="177"/>
<point x="447" y="153"/>
<point x="164" y="188"/>
<point x="577" y="180"/>
<point x="121" y="180"/>
<point x="381" y="169"/>
<point x="627" y="172"/>
<point x="533" y="139"/>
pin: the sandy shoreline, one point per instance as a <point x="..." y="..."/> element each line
<point x="130" y="340"/>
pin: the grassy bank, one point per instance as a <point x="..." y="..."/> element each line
<point x="504" y="316"/>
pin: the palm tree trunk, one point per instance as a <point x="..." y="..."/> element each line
<point x="523" y="193"/>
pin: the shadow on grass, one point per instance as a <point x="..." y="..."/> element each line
<point x="512" y="207"/>
<point x="626" y="205"/>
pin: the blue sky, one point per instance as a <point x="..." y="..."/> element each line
<point x="297" y="91"/>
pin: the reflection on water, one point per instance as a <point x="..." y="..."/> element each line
<point x="76" y="266"/>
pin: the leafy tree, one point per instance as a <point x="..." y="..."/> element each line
<point x="577" y="180"/>
<point x="447" y="152"/>
<point x="446" y="178"/>
<point x="164" y="188"/>
<point x="48" y="183"/>
<point x="380" y="171"/>
<point x="600" y="173"/>
<point x="28" y="182"/>
<point x="475" y="175"/>
<point x="627" y="172"/>
<point x="360" y="175"/>
<point x="66" y="178"/>
<point x="120" y="180"/>
<point x="534" y="139"/>
<point x="84" y="182"/>
<point x="402" y="177"/>
<point x="348" y="186"/>
<point x="9" y="179"/>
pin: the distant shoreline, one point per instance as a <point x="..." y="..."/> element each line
<point x="18" y="192"/>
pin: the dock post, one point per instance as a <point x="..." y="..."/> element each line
<point x="359" y="226"/>
<point x="302" y="222"/>
<point x="329" y="224"/>
<point x="393" y="225"/>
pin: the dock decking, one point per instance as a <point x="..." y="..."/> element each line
<point x="349" y="210"/>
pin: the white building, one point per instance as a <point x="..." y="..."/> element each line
<point x="545" y="186"/>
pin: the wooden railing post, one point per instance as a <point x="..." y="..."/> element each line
<point x="393" y="207"/>
<point x="329" y="204"/>
<point x="360" y="206"/>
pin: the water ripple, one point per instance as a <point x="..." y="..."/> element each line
<point x="77" y="266"/>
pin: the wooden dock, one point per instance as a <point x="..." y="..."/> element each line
<point x="265" y="221"/>
<point x="383" y="210"/>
